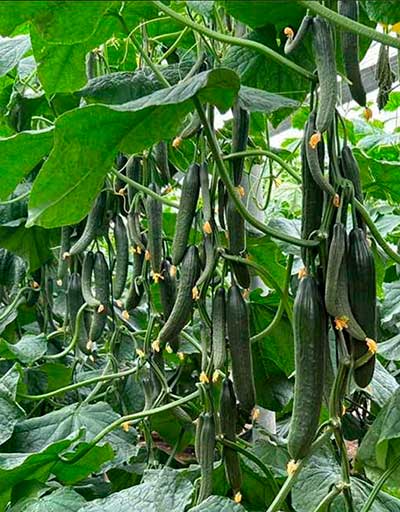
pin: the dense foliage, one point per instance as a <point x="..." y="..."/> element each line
<point x="191" y="318"/>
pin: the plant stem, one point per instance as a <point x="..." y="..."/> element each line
<point x="173" y="47"/>
<point x="75" y="337"/>
<point x="16" y="199"/>
<point x="236" y="41"/>
<point x="128" y="419"/>
<point x="224" y="175"/>
<point x="378" y="485"/>
<point x="348" y="24"/>
<point x="328" y="499"/>
<point x="269" y="154"/>
<point x="291" y="479"/>
<point x="83" y="383"/>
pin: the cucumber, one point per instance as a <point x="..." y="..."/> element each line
<point x="62" y="269"/>
<point x="87" y="270"/>
<point x="325" y="60"/>
<point x="311" y="344"/>
<point x="161" y="158"/>
<point x="313" y="159"/>
<point x="205" y="194"/>
<point x="187" y="209"/>
<point x="313" y="196"/>
<point x="222" y="200"/>
<point x="292" y="43"/>
<point x="351" y="171"/>
<point x="74" y="302"/>
<point x="206" y="446"/>
<point x="134" y="172"/>
<point x="219" y="329"/>
<point x="135" y="291"/>
<point x="136" y="238"/>
<point x="237" y="321"/>
<point x="94" y="223"/>
<point x="337" y="300"/>
<point x="362" y="293"/>
<point x="102" y="292"/>
<point x="228" y="420"/>
<point x="237" y="242"/>
<point x="240" y="133"/>
<point x="122" y="256"/>
<point x="168" y="296"/>
<point x="350" y="51"/>
<point x="154" y="235"/>
<point x="210" y="260"/>
<point x="183" y="304"/>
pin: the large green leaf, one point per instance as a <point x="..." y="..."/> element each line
<point x="10" y="411"/>
<point x="383" y="384"/>
<point x="165" y="490"/>
<point x="87" y="140"/>
<point x="257" y="100"/>
<point x="61" y="500"/>
<point x="11" y="52"/>
<point x="387" y="12"/>
<point x="29" y="348"/>
<point x="19" y="155"/>
<point x="218" y="504"/>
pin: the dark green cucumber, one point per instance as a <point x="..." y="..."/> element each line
<point x="237" y="321"/>
<point x="66" y="232"/>
<point x="351" y="171"/>
<point x="183" y="305"/>
<point x="135" y="236"/>
<point x="237" y="242"/>
<point x="187" y="209"/>
<point x="206" y="447"/>
<point x="122" y="256"/>
<point x="222" y="200"/>
<point x="168" y="295"/>
<point x="87" y="270"/>
<point x="350" y="52"/>
<point x="313" y="159"/>
<point x="240" y="133"/>
<point x="94" y="223"/>
<point x="161" y="158"/>
<point x="135" y="290"/>
<point x="325" y="60"/>
<point x="102" y="292"/>
<point x="191" y="129"/>
<point x="292" y="43"/>
<point x="228" y="420"/>
<point x="313" y="196"/>
<point x="337" y="300"/>
<point x="218" y="318"/>
<point x="74" y="302"/>
<point x="210" y="260"/>
<point x="154" y="235"/>
<point x="205" y="195"/>
<point x="362" y="293"/>
<point x="134" y="172"/>
<point x="311" y="344"/>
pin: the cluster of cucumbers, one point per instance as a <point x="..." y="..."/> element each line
<point x="337" y="287"/>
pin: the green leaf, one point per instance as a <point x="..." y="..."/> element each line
<point x="61" y="500"/>
<point x="390" y="349"/>
<point x="36" y="433"/>
<point x="387" y="12"/>
<point x="19" y="155"/>
<point x="10" y="411"/>
<point x="11" y="52"/>
<point x="383" y="384"/>
<point x="257" y="100"/>
<point x="266" y="253"/>
<point x="29" y="348"/>
<point x="218" y="504"/>
<point x="83" y="153"/>
<point x="46" y="377"/>
<point x="161" y="490"/>
<point x="256" y="14"/>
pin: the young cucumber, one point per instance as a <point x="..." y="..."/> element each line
<point x="219" y="329"/>
<point x="154" y="238"/>
<point x="183" y="305"/>
<point x="351" y="171"/>
<point x="237" y="242"/>
<point x="87" y="270"/>
<point x="240" y="133"/>
<point x="94" y="222"/>
<point x="206" y="448"/>
<point x="187" y="209"/>
<point x="122" y="256"/>
<point x="311" y="343"/>
<point x="66" y="232"/>
<point x="102" y="291"/>
<point x="135" y="290"/>
<point x="237" y="320"/>
<point x="74" y="302"/>
<point x="294" y="41"/>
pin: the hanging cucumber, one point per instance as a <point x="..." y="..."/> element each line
<point x="325" y="60"/>
<point x="351" y="171"/>
<point x="336" y="287"/>
<point x="161" y="158"/>
<point x="311" y="344"/>
<point x="237" y="321"/>
<point x="222" y="200"/>
<point x="350" y="52"/>
<point x="134" y="172"/>
<point x="154" y="235"/>
<point x="205" y="195"/>
<point x="210" y="260"/>
<point x="191" y="129"/>
<point x="135" y="291"/>
<point x="219" y="329"/>
<point x="186" y="212"/>
<point x="240" y="133"/>
<point x="237" y="242"/>
<point x="66" y="232"/>
<point x="122" y="256"/>
<point x="228" y="420"/>
<point x="74" y="302"/>
<point x="102" y="292"/>
<point x="206" y="448"/>
<point x="168" y="295"/>
<point x="183" y="305"/>
<point x="294" y="41"/>
<point x="136" y="238"/>
<point x="87" y="270"/>
<point x="94" y="223"/>
<point x="362" y="293"/>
